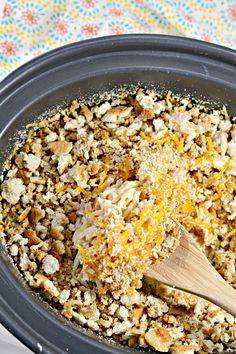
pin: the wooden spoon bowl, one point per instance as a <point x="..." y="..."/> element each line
<point x="189" y="270"/>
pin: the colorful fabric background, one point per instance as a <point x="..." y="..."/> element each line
<point x="30" y="28"/>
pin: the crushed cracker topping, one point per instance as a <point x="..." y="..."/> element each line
<point x="88" y="202"/>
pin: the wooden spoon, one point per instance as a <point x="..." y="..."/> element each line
<point x="189" y="270"/>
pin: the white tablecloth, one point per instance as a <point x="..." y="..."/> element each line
<point x="10" y="345"/>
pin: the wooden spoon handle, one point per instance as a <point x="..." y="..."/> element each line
<point x="223" y="295"/>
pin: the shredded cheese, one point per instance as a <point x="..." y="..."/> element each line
<point x="125" y="168"/>
<point x="180" y="145"/>
<point x="210" y="145"/>
<point x="167" y="139"/>
<point x="5" y="223"/>
<point x="122" y="243"/>
<point x="174" y="137"/>
<point x="140" y="90"/>
<point x="222" y="171"/>
<point x="224" y="110"/>
<point x="33" y="125"/>
<point x="15" y="149"/>
<point x="231" y="233"/>
<point x="168" y="95"/>
<point x="61" y="189"/>
<point x="102" y="184"/>
<point x="81" y="190"/>
<point x="182" y="109"/>
<point x="31" y="135"/>
<point x="126" y="235"/>
<point x="149" y="139"/>
<point x="92" y="217"/>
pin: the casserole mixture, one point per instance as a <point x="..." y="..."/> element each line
<point x="88" y="202"/>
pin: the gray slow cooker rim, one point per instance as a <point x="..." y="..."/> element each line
<point x="189" y="46"/>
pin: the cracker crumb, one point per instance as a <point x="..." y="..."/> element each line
<point x="12" y="189"/>
<point x="60" y="147"/>
<point x="50" y="265"/>
<point x="86" y="204"/>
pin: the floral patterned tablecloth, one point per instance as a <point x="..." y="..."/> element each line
<point x="29" y="28"/>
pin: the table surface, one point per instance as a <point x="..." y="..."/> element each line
<point x="32" y="27"/>
<point x="10" y="345"/>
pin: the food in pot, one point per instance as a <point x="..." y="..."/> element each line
<point x="88" y="202"/>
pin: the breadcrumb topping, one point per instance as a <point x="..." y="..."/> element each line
<point x="89" y="201"/>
